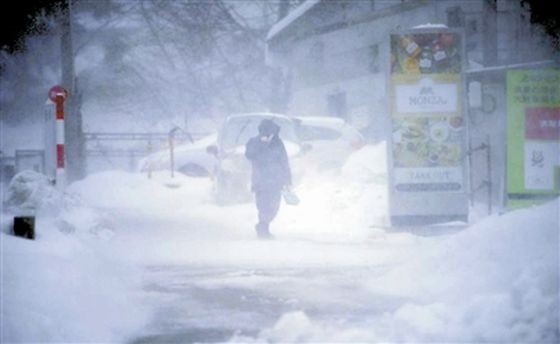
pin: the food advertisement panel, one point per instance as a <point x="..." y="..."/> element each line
<point x="427" y="147"/>
<point x="427" y="117"/>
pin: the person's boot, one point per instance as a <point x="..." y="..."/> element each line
<point x="263" y="231"/>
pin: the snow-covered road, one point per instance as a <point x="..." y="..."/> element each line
<point x="214" y="290"/>
<point x="210" y="304"/>
<point x="205" y="280"/>
<point x="136" y="261"/>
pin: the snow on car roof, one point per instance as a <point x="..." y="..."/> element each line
<point x="163" y="154"/>
<point x="324" y="121"/>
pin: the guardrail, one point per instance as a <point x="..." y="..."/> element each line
<point x="122" y="150"/>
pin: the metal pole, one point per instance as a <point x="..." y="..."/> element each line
<point x="73" y="131"/>
<point x="149" y="164"/>
<point x="131" y="161"/>
<point x="172" y="148"/>
<point x="171" y="153"/>
<point x="489" y="171"/>
<point x="172" y="156"/>
<point x="469" y="156"/>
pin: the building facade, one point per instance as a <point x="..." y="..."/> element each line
<point x="335" y="54"/>
<point x="335" y="57"/>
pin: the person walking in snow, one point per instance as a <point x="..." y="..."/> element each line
<point x="270" y="173"/>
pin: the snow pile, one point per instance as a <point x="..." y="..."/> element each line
<point x="58" y="287"/>
<point x="176" y="221"/>
<point x="30" y="192"/>
<point x="497" y="281"/>
<point x="33" y="194"/>
<point x="85" y="222"/>
<point x="297" y="327"/>
<point x="367" y="165"/>
<point x="340" y="206"/>
<point x="123" y="190"/>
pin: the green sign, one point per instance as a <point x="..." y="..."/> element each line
<point x="533" y="136"/>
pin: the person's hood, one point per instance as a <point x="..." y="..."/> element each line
<point x="268" y="127"/>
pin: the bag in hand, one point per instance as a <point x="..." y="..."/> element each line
<point x="290" y="197"/>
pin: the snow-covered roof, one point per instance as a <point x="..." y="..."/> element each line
<point x="503" y="68"/>
<point x="290" y="18"/>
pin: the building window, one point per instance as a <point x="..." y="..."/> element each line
<point x="336" y="105"/>
<point x="373" y="58"/>
<point x="455" y="17"/>
<point x="472" y="27"/>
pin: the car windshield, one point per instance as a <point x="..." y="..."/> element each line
<point x="312" y="133"/>
<point x="237" y="131"/>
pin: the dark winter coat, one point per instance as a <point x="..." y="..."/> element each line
<point x="271" y="169"/>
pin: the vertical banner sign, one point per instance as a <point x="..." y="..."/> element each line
<point x="533" y="136"/>
<point x="427" y="150"/>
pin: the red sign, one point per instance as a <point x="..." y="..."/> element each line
<point x="542" y="123"/>
<point x="57" y="91"/>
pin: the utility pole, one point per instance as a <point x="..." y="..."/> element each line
<point x="490" y="29"/>
<point x="73" y="130"/>
<point x="278" y="81"/>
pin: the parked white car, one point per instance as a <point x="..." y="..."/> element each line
<point x="332" y="140"/>
<point x="233" y="173"/>
<point x="191" y="159"/>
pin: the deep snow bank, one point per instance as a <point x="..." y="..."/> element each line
<point x="59" y="288"/>
<point x="118" y="190"/>
<point x="497" y="281"/>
